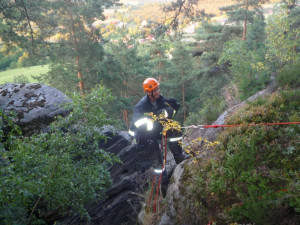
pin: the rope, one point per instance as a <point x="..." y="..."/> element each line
<point x="236" y="125"/>
<point x="157" y="191"/>
<point x="160" y="177"/>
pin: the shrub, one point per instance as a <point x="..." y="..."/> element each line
<point x="290" y="76"/>
<point x="60" y="170"/>
<point x="21" y="79"/>
<point x="213" y="107"/>
<point x="254" y="177"/>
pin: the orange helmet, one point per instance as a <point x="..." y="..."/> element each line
<point x="150" y="84"/>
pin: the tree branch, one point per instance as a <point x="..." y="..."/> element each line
<point x="176" y="14"/>
<point x="28" y="21"/>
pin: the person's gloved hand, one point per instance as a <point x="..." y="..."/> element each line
<point x="167" y="112"/>
<point x="173" y="103"/>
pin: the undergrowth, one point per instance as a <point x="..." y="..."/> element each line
<point x="254" y="174"/>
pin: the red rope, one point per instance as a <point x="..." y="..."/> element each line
<point x="163" y="167"/>
<point x="165" y="150"/>
<point x="157" y="191"/>
<point x="236" y="125"/>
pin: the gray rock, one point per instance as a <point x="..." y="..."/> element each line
<point x="36" y="105"/>
<point x="130" y="180"/>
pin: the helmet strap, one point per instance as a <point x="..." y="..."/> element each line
<point x="152" y="94"/>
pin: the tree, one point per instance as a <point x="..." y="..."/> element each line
<point x="159" y="58"/>
<point x="183" y="73"/>
<point x="283" y="38"/>
<point x="76" y="49"/>
<point x="207" y="101"/>
<point x="256" y="37"/>
<point x="124" y="71"/>
<point x="247" y="67"/>
<point x="243" y="10"/>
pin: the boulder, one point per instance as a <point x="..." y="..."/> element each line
<point x="36" y="105"/>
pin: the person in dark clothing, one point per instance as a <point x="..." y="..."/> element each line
<point x="144" y="130"/>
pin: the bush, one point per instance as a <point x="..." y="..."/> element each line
<point x="290" y="76"/>
<point x="255" y="175"/>
<point x="20" y="79"/>
<point x="60" y="170"/>
<point x="213" y="107"/>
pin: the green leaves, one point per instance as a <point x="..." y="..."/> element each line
<point x="247" y="67"/>
<point x="63" y="169"/>
<point x="254" y="174"/>
<point x="282" y="38"/>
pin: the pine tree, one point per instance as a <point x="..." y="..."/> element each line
<point x="183" y="75"/>
<point x="243" y="11"/>
<point x="257" y="35"/>
<point x="124" y="71"/>
<point x="61" y="30"/>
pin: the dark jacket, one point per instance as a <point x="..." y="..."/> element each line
<point x="141" y="133"/>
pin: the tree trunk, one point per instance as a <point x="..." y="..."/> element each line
<point x="125" y="117"/>
<point x="245" y="23"/>
<point x="79" y="74"/>
<point x="183" y="97"/>
<point x="80" y="78"/>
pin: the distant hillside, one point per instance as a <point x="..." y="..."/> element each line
<point x="210" y="6"/>
<point x="142" y="2"/>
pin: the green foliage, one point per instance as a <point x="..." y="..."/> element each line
<point x="282" y="39"/>
<point x="254" y="174"/>
<point x="8" y="61"/>
<point x="204" y="94"/>
<point x="62" y="170"/>
<point x="256" y="35"/>
<point x="212" y="108"/>
<point x="247" y="67"/>
<point x="8" y="130"/>
<point x="64" y="34"/>
<point x="243" y="10"/>
<point x="21" y="79"/>
<point x="289" y="76"/>
<point x="123" y="70"/>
